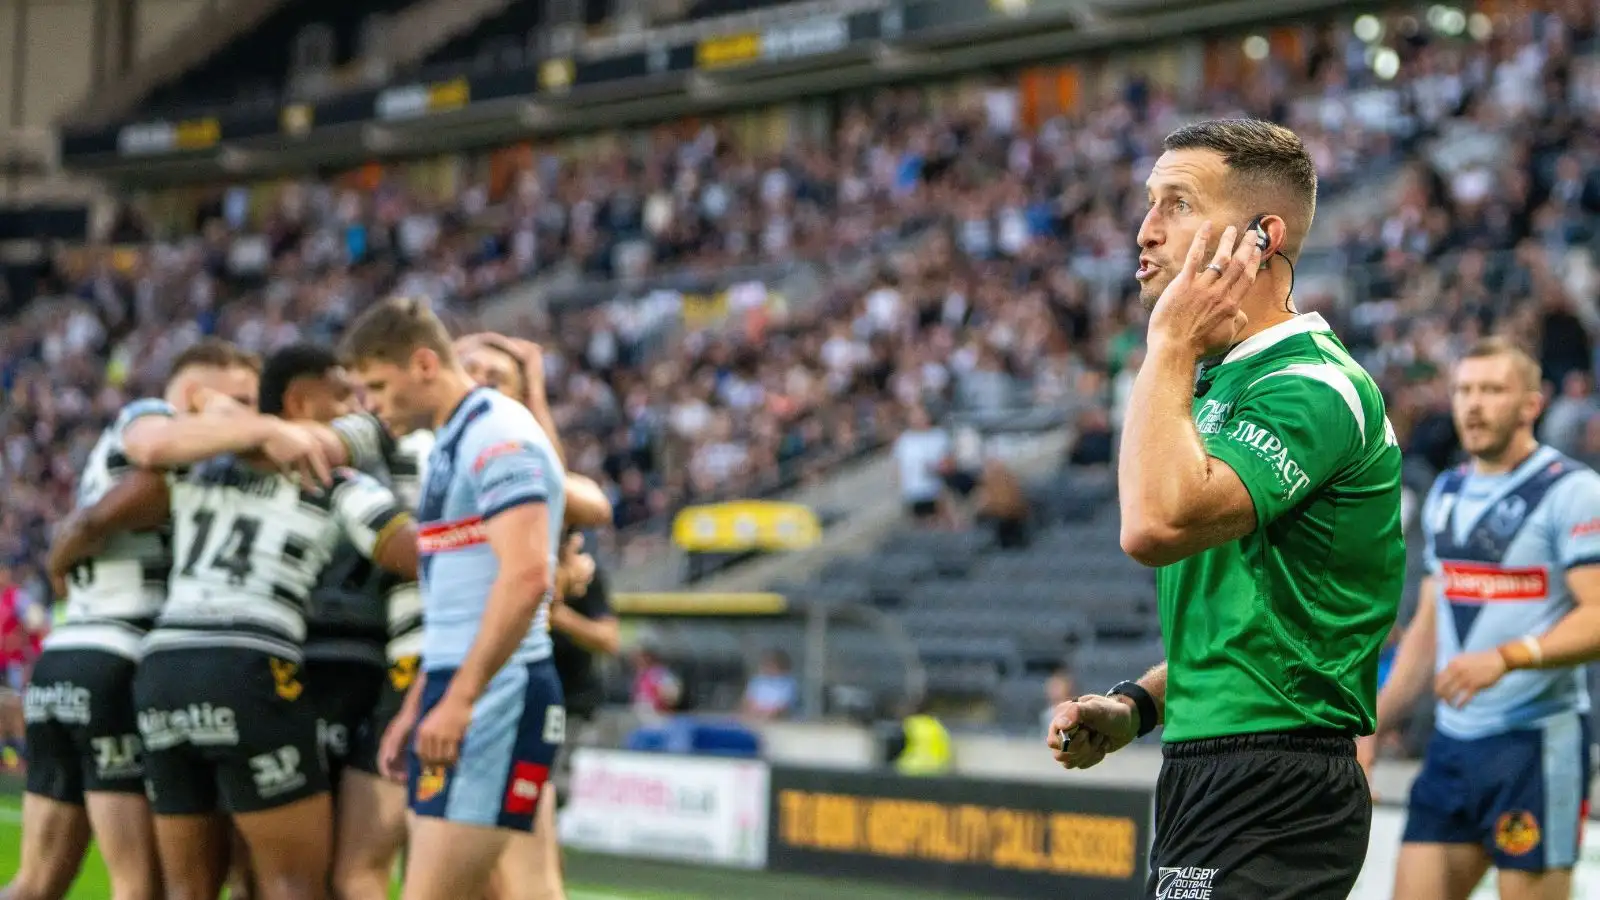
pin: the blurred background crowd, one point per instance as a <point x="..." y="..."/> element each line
<point x="732" y="312"/>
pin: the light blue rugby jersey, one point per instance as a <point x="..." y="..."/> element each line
<point x="1499" y="547"/>
<point x="489" y="457"/>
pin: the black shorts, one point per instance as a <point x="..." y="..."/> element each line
<point x="226" y="729"/>
<point x="1280" y="816"/>
<point x="344" y="695"/>
<point x="82" y="730"/>
<point x="391" y="696"/>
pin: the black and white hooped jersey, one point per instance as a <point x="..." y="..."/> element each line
<point x="397" y="462"/>
<point x="360" y="613"/>
<point x="248" y="547"/>
<point x="113" y="598"/>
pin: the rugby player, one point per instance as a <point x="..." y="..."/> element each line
<point x="1508" y="614"/>
<point x="516" y="369"/>
<point x="363" y="634"/>
<point x="487" y="700"/>
<point x="219" y="691"/>
<point x="85" y="757"/>
<point x="370" y="809"/>
<point x="1266" y="485"/>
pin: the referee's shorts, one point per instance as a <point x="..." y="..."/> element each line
<point x="1274" y="816"/>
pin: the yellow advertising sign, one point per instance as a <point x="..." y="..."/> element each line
<point x="196" y="134"/>
<point x="686" y="603"/>
<point x="1016" y="839"/>
<point x="733" y="50"/>
<point x="447" y="95"/>
<point x="744" y="525"/>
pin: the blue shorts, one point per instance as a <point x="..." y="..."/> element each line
<point x="517" y="727"/>
<point x="1522" y="795"/>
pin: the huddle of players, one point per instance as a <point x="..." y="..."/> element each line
<point x="237" y="641"/>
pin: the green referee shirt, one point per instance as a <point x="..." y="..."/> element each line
<point x="1281" y="629"/>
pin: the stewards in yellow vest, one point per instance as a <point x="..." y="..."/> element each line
<point x="927" y="749"/>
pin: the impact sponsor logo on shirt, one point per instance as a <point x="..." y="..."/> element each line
<point x="1477" y="583"/>
<point x="1212" y="416"/>
<point x="443" y="537"/>
<point x="1185" y="883"/>
<point x="1291" y="477"/>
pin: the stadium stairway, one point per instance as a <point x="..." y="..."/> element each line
<point x="210" y="30"/>
<point x="865" y="494"/>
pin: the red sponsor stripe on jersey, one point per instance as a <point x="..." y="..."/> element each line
<point x="522" y="794"/>
<point x="493" y="450"/>
<point x="1479" y="583"/>
<point x="442" y="537"/>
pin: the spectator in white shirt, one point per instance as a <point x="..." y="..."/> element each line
<point x="918" y="453"/>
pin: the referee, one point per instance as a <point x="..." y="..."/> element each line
<point x="1259" y="472"/>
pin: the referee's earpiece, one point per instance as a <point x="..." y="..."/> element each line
<point x="1263" y="239"/>
<point x="1265" y="242"/>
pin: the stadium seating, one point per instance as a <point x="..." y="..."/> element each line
<point x="912" y="280"/>
<point x="254" y="69"/>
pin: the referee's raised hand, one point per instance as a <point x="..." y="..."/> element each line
<point x="1094" y="725"/>
<point x="1200" y="309"/>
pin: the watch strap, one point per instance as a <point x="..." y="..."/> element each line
<point x="1143" y="703"/>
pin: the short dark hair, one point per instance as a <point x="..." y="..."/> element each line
<point x="287" y="364"/>
<point x="1263" y="158"/>
<point x="394" y="329"/>
<point x="213" y="353"/>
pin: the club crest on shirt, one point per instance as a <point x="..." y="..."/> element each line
<point x="1212" y="416"/>
<point x="1507" y="516"/>
<point x="1516" y="833"/>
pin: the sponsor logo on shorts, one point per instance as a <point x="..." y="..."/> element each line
<point x="1478" y="583"/>
<point x="1184" y="883"/>
<point x="277" y="773"/>
<point x="1516" y="833"/>
<point x="1585" y="529"/>
<point x="522" y="794"/>
<point x="117" y="757"/>
<point x="403" y="672"/>
<point x="334" y="738"/>
<point x="62" y="701"/>
<point x="430" y="782"/>
<point x="285" y="678"/>
<point x="198" y="723"/>
<point x="1292" y="479"/>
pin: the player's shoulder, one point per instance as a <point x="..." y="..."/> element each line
<point x="1579" y="484"/>
<point x="1332" y="387"/>
<point x="418" y="444"/>
<point x="144" y="406"/>
<point x="501" y="419"/>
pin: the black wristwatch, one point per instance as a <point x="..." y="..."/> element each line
<point x="1143" y="703"/>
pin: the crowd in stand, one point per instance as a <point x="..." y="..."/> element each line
<point x="972" y="262"/>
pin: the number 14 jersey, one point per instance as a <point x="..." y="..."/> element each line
<point x="248" y="547"/>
